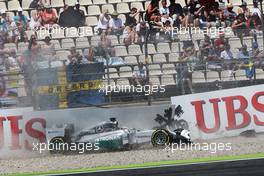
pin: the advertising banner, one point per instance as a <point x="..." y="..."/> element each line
<point x="12" y="126"/>
<point x="69" y="87"/>
<point x="11" y="87"/>
<point x="208" y="115"/>
<point x="223" y="113"/>
<point x="21" y="128"/>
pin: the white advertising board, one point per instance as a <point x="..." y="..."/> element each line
<point x="223" y="113"/>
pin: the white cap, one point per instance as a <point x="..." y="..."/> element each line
<point x="19" y="9"/>
<point x="77" y="2"/>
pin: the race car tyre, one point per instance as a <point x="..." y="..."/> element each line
<point x="55" y="146"/>
<point x="160" y="138"/>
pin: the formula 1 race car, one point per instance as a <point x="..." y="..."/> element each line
<point x="107" y="136"/>
<point x="162" y="137"/>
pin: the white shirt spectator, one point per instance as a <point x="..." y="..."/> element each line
<point x="256" y="10"/>
<point x="164" y="11"/>
<point x="103" y="22"/>
<point x="33" y="24"/>
<point x="227" y="55"/>
<point x="116" y="23"/>
<point x="138" y="27"/>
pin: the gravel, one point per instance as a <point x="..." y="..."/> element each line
<point x="46" y="162"/>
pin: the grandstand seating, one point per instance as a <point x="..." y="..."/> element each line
<point x="163" y="56"/>
<point x="167" y="80"/>
<point x="130" y="60"/>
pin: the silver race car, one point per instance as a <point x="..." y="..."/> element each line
<point x="105" y="135"/>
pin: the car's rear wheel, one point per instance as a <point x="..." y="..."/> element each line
<point x="56" y="145"/>
<point x="160" y="138"/>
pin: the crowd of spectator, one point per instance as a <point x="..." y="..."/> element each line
<point x="159" y="20"/>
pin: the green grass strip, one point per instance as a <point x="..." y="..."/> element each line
<point x="149" y="164"/>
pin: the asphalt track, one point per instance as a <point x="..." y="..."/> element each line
<point x="252" y="167"/>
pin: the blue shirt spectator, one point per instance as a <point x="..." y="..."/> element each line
<point x="243" y="54"/>
<point x="20" y="18"/>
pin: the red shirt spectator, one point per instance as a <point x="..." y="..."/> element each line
<point x="220" y="41"/>
<point x="49" y="16"/>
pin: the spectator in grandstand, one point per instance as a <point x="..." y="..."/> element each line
<point x="218" y="50"/>
<point x="139" y="76"/>
<point x="165" y="13"/>
<point x="72" y="16"/>
<point x="187" y="19"/>
<point x="12" y="32"/>
<point x="141" y="30"/>
<point x="116" y="24"/>
<point x="255" y="8"/>
<point x="176" y="12"/>
<point x="152" y="12"/>
<point x="48" y="50"/>
<point x="207" y="5"/>
<point x="257" y="55"/>
<point x="66" y="18"/>
<point x="193" y="6"/>
<point x="221" y="40"/>
<point x="254" y="22"/>
<point x="167" y="31"/>
<point x="105" y="46"/>
<point x="130" y="35"/>
<point x="103" y="22"/>
<point x="244" y="10"/>
<point x="88" y="56"/>
<point x="222" y="4"/>
<point x="243" y="54"/>
<point x="229" y="15"/>
<point x="254" y="52"/>
<point x="79" y="15"/>
<point x="227" y="54"/>
<point x="16" y="31"/>
<point x="248" y="63"/>
<point x="33" y="48"/>
<point x="11" y="63"/>
<point x="240" y="27"/>
<point x="200" y="18"/>
<point x="189" y="61"/>
<point x="35" y="20"/>
<point x="212" y="15"/>
<point x="49" y="17"/>
<point x="216" y="15"/>
<point x="21" y="19"/>
<point x="132" y="17"/>
<point x="214" y="58"/>
<point x="3" y="21"/>
<point x="255" y="25"/>
<point x="75" y="57"/>
<point x="205" y="47"/>
<point x="4" y="53"/>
